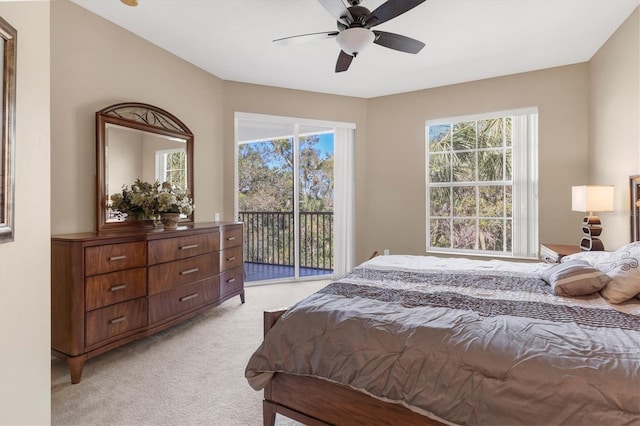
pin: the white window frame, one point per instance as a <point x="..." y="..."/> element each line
<point x="524" y="183"/>
<point x="161" y="163"/>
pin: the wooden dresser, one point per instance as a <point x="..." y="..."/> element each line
<point x="108" y="289"/>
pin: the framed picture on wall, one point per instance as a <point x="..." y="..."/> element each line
<point x="8" y="49"/>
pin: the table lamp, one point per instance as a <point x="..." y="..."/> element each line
<point x="591" y="198"/>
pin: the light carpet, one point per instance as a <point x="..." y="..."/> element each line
<point x="190" y="374"/>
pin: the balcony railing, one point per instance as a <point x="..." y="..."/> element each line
<point x="269" y="239"/>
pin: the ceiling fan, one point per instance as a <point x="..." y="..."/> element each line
<point x="354" y="29"/>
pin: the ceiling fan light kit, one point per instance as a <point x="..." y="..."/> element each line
<point x="354" y="29"/>
<point x="130" y="2"/>
<point x="353" y="40"/>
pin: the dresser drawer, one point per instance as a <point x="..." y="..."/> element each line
<point x="231" y="237"/>
<point x="115" y="257"/>
<point x="231" y="281"/>
<point x="230" y="258"/>
<point x="115" y="319"/>
<point x="180" y="272"/>
<point x="191" y="296"/>
<point x="169" y="249"/>
<point x="115" y="287"/>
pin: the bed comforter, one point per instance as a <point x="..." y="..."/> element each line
<point x="464" y="341"/>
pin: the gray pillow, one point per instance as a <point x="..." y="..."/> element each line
<point x="575" y="278"/>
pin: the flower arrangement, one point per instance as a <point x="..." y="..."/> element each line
<point x="172" y="199"/>
<point x="146" y="200"/>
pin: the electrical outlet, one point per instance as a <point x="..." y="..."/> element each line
<point x="386" y="252"/>
<point x="216" y="217"/>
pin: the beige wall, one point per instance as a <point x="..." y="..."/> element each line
<point x="614" y="124"/>
<point x="395" y="191"/>
<point x="390" y="169"/>
<point x="25" y="360"/>
<point x="94" y="64"/>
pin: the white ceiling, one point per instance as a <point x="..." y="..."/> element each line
<point x="465" y="40"/>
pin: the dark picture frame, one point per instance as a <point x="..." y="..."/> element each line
<point x="8" y="49"/>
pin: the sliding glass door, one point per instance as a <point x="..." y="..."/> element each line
<point x="285" y="197"/>
<point x="315" y="159"/>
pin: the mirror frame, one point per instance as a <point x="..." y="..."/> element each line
<point x="138" y="116"/>
<point x="9" y="36"/>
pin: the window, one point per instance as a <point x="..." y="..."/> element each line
<point x="171" y="166"/>
<point x="482" y="174"/>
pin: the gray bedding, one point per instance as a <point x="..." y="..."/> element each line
<point x="467" y="342"/>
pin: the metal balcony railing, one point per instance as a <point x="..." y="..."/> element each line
<point x="269" y="239"/>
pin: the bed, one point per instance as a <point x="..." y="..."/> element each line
<point x="429" y="340"/>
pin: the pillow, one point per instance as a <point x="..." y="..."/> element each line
<point x="575" y="278"/>
<point x="622" y="266"/>
<point x="590" y="257"/>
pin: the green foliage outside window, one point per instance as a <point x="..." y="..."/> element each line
<point x="470" y="185"/>
<point x="265" y="184"/>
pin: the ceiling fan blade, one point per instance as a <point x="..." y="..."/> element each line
<point x="337" y="9"/>
<point x="398" y="42"/>
<point x="304" y="38"/>
<point x="344" y="60"/>
<point x="389" y="10"/>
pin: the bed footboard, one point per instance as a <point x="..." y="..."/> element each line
<point x="317" y="402"/>
<point x="270" y="318"/>
<point x="270" y="408"/>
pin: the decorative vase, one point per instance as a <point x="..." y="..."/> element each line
<point x="136" y="215"/>
<point x="170" y="220"/>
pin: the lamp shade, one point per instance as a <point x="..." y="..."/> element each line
<point x="592" y="198"/>
<point x="353" y="40"/>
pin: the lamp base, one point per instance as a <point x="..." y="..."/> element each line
<point x="591" y="229"/>
<point x="591" y="244"/>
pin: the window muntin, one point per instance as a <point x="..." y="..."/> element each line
<point x="471" y="166"/>
<point x="171" y="166"/>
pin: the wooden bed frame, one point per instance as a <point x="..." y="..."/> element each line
<point x="315" y="401"/>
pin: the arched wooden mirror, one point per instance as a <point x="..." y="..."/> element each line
<point x="138" y="141"/>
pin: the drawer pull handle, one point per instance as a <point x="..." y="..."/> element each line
<point x="189" y="271"/>
<point x="117" y="320"/>
<point x="189" y="247"/>
<point x="231" y="259"/>
<point x="189" y="297"/>
<point x="231" y="238"/>
<point x="124" y="256"/>
<point x="231" y="280"/>
<point x="118" y="287"/>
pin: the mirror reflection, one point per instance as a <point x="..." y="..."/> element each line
<point x="133" y="154"/>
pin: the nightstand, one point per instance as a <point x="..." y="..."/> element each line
<point x="552" y="253"/>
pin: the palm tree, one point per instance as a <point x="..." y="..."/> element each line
<point x="471" y="159"/>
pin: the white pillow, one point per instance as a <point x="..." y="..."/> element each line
<point x="591" y="257"/>
<point x="623" y="267"/>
